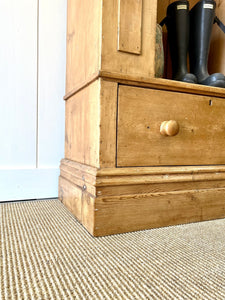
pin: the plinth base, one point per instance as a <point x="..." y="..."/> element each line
<point x="117" y="200"/>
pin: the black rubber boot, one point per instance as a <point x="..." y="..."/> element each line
<point x="202" y="17"/>
<point x="177" y="23"/>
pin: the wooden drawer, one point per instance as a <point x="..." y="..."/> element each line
<point x="201" y="136"/>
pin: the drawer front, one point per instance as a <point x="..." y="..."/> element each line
<point x="201" y="128"/>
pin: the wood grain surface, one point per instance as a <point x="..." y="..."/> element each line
<point x="83" y="42"/>
<point x="108" y="116"/>
<point x="137" y="212"/>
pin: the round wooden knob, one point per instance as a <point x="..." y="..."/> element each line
<point x="169" y="128"/>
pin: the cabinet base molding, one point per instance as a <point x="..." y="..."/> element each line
<point x="117" y="200"/>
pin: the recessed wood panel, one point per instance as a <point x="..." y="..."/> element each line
<point x="114" y="61"/>
<point x="129" y="27"/>
<point x="200" y="140"/>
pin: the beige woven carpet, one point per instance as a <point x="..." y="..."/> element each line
<point x="46" y="254"/>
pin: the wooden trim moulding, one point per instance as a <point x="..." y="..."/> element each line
<point x="164" y="84"/>
<point x="154" y="83"/>
<point x="140" y="175"/>
<point x="81" y="85"/>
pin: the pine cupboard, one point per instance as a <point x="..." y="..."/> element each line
<point x="140" y="152"/>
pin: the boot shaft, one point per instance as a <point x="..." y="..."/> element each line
<point x="177" y="22"/>
<point x="178" y="35"/>
<point x="202" y="18"/>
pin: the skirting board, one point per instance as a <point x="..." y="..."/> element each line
<point x="118" y="200"/>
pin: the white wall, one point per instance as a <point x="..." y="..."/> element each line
<point x="32" y="85"/>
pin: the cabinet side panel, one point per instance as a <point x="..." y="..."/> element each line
<point x="78" y="202"/>
<point x="83" y="42"/>
<point x="71" y="196"/>
<point x="114" y="61"/>
<point x="82" y="126"/>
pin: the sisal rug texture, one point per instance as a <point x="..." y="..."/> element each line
<point x="46" y="254"/>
